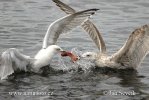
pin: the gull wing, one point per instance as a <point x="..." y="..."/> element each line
<point x="88" y="26"/>
<point x="135" y="49"/>
<point x="64" y="7"/>
<point x="95" y="35"/>
<point x="11" y="60"/>
<point x="6" y="68"/>
<point x="64" y="25"/>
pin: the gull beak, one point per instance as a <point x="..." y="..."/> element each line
<point x="61" y="50"/>
<point x="64" y="53"/>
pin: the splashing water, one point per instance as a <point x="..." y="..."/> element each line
<point x="66" y="65"/>
<point x="84" y="64"/>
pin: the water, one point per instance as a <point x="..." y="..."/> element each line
<point x="23" y="24"/>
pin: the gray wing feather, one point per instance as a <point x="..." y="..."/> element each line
<point x="135" y="48"/>
<point x="64" y="7"/>
<point x="64" y="25"/>
<point x="88" y="26"/>
<point x="95" y="35"/>
<point x="11" y="60"/>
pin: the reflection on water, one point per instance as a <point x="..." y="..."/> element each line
<point x="23" y="24"/>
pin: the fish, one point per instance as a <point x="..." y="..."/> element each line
<point x="73" y="57"/>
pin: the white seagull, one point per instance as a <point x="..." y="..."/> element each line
<point x="129" y="56"/>
<point x="12" y="59"/>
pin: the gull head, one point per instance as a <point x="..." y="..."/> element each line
<point x="44" y="56"/>
<point x="89" y="55"/>
<point x="49" y="52"/>
<point x="55" y="49"/>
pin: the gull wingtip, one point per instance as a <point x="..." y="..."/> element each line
<point x="96" y="9"/>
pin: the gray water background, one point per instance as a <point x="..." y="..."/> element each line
<point x="23" y="24"/>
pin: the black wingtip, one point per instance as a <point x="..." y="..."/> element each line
<point x="94" y="9"/>
<point x="88" y="11"/>
<point x="56" y="1"/>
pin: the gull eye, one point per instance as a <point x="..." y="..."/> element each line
<point x="88" y="55"/>
<point x="58" y="49"/>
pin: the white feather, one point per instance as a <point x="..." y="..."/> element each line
<point x="12" y="60"/>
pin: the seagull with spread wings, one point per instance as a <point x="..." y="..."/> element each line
<point x="129" y="56"/>
<point x="12" y="59"/>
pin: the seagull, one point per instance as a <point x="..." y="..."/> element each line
<point x="12" y="59"/>
<point x="130" y="55"/>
